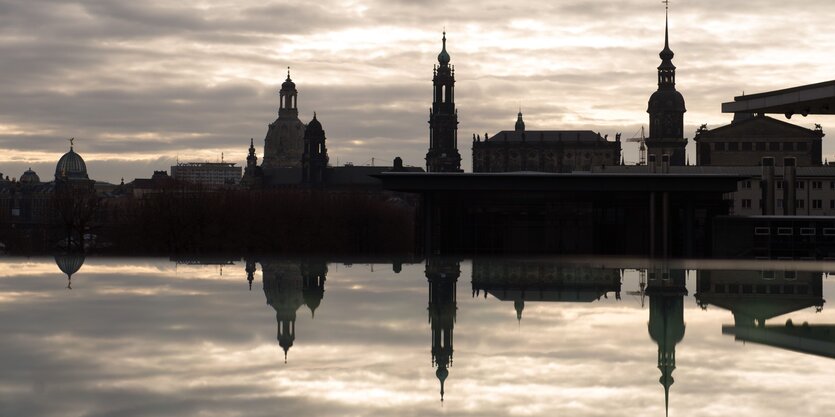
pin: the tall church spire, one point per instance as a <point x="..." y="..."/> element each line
<point x="666" y="108"/>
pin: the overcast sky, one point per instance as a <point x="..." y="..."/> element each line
<point x="139" y="84"/>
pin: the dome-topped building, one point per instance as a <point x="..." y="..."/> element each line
<point x="284" y="143"/>
<point x="71" y="166"/>
<point x="30" y="177"/>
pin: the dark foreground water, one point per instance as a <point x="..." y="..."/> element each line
<point x="152" y="337"/>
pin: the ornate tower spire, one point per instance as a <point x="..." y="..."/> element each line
<point x="442" y="275"/>
<point x="315" y="154"/>
<point x="666" y="108"/>
<point x="288" y="99"/>
<point x="520" y="124"/>
<point x="443" y="153"/>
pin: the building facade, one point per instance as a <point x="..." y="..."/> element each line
<point x="210" y="174"/>
<point x="543" y="150"/>
<point x="746" y="142"/>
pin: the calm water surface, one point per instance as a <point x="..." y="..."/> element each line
<point x="155" y="337"/>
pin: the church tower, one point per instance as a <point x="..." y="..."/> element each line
<point x="443" y="153"/>
<point x="442" y="275"/>
<point x="284" y="143"/>
<point x="666" y="290"/>
<point x="666" y="110"/>
<point x="315" y="156"/>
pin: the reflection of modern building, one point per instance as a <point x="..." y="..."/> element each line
<point x="442" y="275"/>
<point x="532" y="281"/>
<point x="757" y="296"/>
<point x="69" y="264"/>
<point x="288" y="286"/>
<point x="666" y="290"/>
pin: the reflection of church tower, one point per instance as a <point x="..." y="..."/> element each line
<point x="443" y="153"/>
<point x="288" y="285"/>
<point x="69" y="264"/>
<point x="250" y="272"/>
<point x="443" y="276"/>
<point x="283" y="289"/>
<point x="313" y="287"/>
<point x="666" y="111"/>
<point x="666" y="290"/>
<point x="284" y="142"/>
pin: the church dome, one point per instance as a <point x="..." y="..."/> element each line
<point x="29" y="177"/>
<point x="314" y="126"/>
<point x="443" y="57"/>
<point x="71" y="166"/>
<point x="665" y="100"/>
<point x="288" y="83"/>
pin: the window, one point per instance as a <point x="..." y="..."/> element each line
<point x="733" y="146"/>
<point x="801" y="184"/>
<point x="746" y="203"/>
<point x="746" y="184"/>
<point x="779" y="184"/>
<point x="807" y="231"/>
<point x="774" y="146"/>
<point x="719" y="146"/>
<point x="800" y="204"/>
<point x="761" y="204"/>
<point x="817" y="185"/>
<point x="802" y="146"/>
<point x="760" y="146"/>
<point x="832" y="204"/>
<point x="788" y="146"/>
<point x="747" y="146"/>
<point x="762" y="231"/>
<point x="779" y="202"/>
<point x="817" y="204"/>
<point x="829" y="231"/>
<point x="785" y="231"/>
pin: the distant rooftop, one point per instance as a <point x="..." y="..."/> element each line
<point x="547" y="136"/>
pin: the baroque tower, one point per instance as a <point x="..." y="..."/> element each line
<point x="443" y="153"/>
<point x="315" y="156"/>
<point x="666" y="110"/>
<point x="442" y="275"/>
<point x="284" y="143"/>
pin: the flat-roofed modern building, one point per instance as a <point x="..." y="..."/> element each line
<point x="212" y="174"/>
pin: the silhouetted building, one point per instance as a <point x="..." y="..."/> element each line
<point x="537" y="281"/>
<point x="666" y="290"/>
<point x="284" y="143"/>
<point x="443" y="153"/>
<point x="209" y="174"/>
<point x="442" y="275"/>
<point x="745" y="142"/>
<point x="543" y="150"/>
<point x="666" y="112"/>
<point x="253" y="174"/>
<point x="315" y="156"/>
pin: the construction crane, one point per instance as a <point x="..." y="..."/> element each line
<point x="642" y="284"/>
<point x="642" y="155"/>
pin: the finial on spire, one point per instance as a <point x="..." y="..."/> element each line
<point x="288" y="73"/>
<point x="72" y="141"/>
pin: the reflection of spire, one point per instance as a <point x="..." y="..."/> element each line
<point x="442" y="275"/>
<point x="519" y="305"/>
<point x="666" y="290"/>
<point x="250" y="272"/>
<point x="313" y="274"/>
<point x="69" y="264"/>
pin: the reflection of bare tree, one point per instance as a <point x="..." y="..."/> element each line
<point x="76" y="208"/>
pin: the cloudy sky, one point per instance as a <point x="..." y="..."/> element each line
<point x="140" y="84"/>
<point x="149" y="338"/>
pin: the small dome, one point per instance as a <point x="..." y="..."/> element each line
<point x="443" y="57"/>
<point x="71" y="166"/>
<point x="29" y="177"/>
<point x="666" y="100"/>
<point x="314" y="126"/>
<point x="288" y="83"/>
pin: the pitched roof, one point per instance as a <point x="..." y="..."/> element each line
<point x="547" y="136"/>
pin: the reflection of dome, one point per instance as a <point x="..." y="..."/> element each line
<point x="71" y="166"/>
<point x="29" y="177"/>
<point x="69" y="264"/>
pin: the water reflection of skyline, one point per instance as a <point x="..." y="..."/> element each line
<point x="753" y="298"/>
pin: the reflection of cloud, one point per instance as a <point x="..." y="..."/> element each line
<point x="184" y="341"/>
